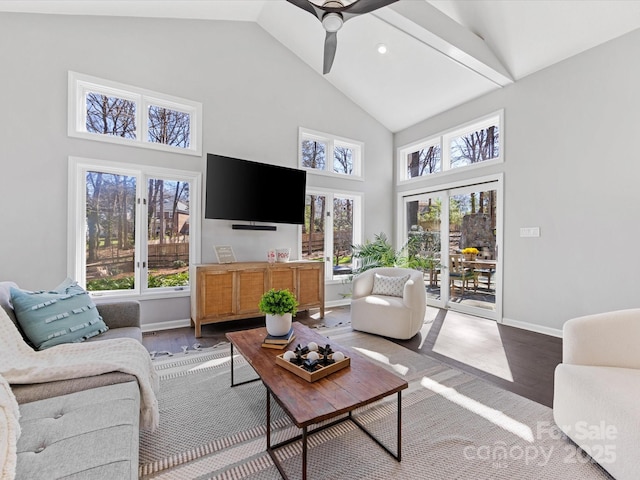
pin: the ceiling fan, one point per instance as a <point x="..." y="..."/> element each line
<point x="332" y="14"/>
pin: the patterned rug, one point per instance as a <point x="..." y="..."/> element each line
<point x="454" y="426"/>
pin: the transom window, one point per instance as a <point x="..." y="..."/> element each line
<point x="112" y="112"/>
<point x="465" y="146"/>
<point x="327" y="154"/>
<point x="133" y="229"/>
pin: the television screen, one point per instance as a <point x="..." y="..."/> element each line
<point x="239" y="189"/>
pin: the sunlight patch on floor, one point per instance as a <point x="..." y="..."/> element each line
<point x="483" y="346"/>
<point x="491" y="414"/>
<point x="401" y="369"/>
<point x="211" y="363"/>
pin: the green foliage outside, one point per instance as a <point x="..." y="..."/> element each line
<point x="380" y="253"/>
<point x="278" y="302"/>
<point x="180" y="279"/>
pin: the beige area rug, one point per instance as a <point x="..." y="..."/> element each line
<point x="454" y="426"/>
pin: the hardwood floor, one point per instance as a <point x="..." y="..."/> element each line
<point x="517" y="360"/>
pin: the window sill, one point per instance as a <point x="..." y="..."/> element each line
<point x="122" y="296"/>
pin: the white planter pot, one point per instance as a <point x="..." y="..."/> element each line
<point x="278" y="325"/>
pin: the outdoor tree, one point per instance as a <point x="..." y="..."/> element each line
<point x="169" y="127"/>
<point x="343" y="160"/>
<point x="111" y="116"/>
<point x="314" y="154"/>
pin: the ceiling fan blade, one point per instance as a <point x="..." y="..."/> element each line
<point x="365" y="6"/>
<point x="330" y="45"/>
<point x="307" y="6"/>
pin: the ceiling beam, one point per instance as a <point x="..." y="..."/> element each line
<point x="430" y="26"/>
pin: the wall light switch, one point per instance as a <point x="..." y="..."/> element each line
<point x="529" y="231"/>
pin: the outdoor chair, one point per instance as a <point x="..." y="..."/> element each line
<point x="458" y="272"/>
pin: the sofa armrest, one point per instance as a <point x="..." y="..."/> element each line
<point x="32" y="392"/>
<point x="120" y="314"/>
<point x="608" y="339"/>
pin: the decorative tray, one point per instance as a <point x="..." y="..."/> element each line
<point x="320" y="371"/>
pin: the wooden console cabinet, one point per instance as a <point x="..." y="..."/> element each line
<point x="232" y="291"/>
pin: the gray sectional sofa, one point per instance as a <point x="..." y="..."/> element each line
<point x="85" y="428"/>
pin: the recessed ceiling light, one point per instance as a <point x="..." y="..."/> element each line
<point x="382" y="48"/>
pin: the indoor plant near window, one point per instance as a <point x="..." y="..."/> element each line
<point x="278" y="306"/>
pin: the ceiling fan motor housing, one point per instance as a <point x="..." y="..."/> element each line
<point x="332" y="22"/>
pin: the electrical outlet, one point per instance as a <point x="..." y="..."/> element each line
<point x="529" y="231"/>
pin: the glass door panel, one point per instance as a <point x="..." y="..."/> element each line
<point x="167" y="233"/>
<point x="314" y="227"/>
<point x="423" y="236"/>
<point x="472" y="250"/>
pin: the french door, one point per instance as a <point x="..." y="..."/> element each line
<point x="455" y="234"/>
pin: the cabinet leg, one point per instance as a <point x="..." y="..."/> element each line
<point x="198" y="329"/>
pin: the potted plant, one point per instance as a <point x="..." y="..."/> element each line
<point x="278" y="306"/>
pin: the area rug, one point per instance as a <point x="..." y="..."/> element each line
<point x="454" y="426"/>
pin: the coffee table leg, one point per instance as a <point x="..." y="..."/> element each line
<point x="268" y="420"/>
<point x="233" y="383"/>
<point x="399" y="441"/>
<point x="304" y="453"/>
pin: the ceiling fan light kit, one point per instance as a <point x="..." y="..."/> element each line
<point x="332" y="14"/>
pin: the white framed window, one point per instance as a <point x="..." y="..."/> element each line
<point x="333" y="224"/>
<point x="132" y="229"/>
<point x="477" y="143"/>
<point x="322" y="153"/>
<point x="108" y="111"/>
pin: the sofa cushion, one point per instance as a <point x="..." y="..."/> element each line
<point x="91" y="434"/>
<point x="391" y="286"/>
<point x="52" y="318"/>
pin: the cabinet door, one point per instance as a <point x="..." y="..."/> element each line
<point x="251" y="285"/>
<point x="216" y="293"/>
<point x="311" y="285"/>
<point x="283" y="277"/>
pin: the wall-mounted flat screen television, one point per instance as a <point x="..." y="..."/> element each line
<point x="239" y="189"/>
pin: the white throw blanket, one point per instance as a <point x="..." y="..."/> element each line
<point x="9" y="431"/>
<point x="20" y="364"/>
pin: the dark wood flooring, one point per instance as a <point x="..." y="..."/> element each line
<point x="517" y="360"/>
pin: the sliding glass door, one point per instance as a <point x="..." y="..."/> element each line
<point x="454" y="233"/>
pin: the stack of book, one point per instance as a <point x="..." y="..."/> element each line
<point x="279" y="342"/>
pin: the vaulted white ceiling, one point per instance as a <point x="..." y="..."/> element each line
<point x="441" y="53"/>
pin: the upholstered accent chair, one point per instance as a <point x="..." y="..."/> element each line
<point x="597" y="387"/>
<point x="389" y="301"/>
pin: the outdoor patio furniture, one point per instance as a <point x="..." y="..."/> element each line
<point x="459" y="272"/>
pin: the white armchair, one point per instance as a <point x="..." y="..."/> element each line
<point x="377" y="308"/>
<point x="597" y="389"/>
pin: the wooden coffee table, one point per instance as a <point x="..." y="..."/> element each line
<point x="309" y="403"/>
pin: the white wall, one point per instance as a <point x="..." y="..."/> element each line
<point x="255" y="94"/>
<point x="572" y="168"/>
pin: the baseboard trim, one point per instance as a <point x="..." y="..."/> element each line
<point x="338" y="303"/>
<point x="171" y="324"/>
<point x="554" y="332"/>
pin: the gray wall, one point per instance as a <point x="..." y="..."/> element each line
<point x="255" y="95"/>
<point x="572" y="168"/>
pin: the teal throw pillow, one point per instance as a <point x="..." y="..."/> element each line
<point x="67" y="315"/>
